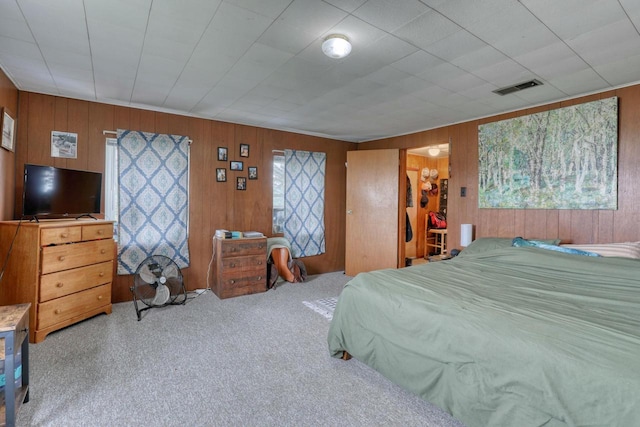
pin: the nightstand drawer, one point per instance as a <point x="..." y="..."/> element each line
<point x="243" y="247"/>
<point x="243" y="264"/>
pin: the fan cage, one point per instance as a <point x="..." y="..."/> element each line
<point x="158" y="282"/>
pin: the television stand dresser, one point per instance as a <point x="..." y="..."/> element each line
<point x="64" y="268"/>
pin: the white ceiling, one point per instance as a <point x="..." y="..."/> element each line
<point x="415" y="65"/>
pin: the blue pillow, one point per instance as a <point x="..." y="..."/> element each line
<point x="519" y="242"/>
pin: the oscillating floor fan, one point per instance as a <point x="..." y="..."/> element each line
<point x="158" y="282"/>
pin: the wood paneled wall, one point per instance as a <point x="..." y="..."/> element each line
<point x="213" y="205"/>
<point x="577" y="226"/>
<point x="8" y="100"/>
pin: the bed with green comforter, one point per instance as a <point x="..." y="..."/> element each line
<point x="511" y="336"/>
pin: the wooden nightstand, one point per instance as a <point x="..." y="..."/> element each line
<point x="240" y="267"/>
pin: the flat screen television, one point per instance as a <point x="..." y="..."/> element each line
<point x="56" y="192"/>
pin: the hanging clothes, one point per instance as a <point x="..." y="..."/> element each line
<point x="409" y="193"/>
<point x="409" y="233"/>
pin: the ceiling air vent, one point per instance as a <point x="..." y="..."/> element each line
<point x="518" y="87"/>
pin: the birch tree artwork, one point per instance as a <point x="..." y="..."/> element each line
<point x="565" y="158"/>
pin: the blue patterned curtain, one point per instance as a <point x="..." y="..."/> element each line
<point x="154" y="198"/>
<point x="304" y="202"/>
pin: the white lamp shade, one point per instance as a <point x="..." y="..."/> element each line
<point x="336" y="46"/>
<point x="466" y="235"/>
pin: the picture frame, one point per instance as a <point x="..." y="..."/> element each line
<point x="64" y="144"/>
<point x="222" y="154"/>
<point x="236" y="166"/>
<point x="241" y="183"/>
<point x="253" y="172"/>
<point x="221" y="174"/>
<point x="8" y="126"/>
<point x="244" y="150"/>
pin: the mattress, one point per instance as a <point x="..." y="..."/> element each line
<point x="515" y="336"/>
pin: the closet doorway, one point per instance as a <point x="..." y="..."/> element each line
<point x="427" y="169"/>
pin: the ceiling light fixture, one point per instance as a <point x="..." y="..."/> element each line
<point x="336" y="46"/>
<point x="433" y="151"/>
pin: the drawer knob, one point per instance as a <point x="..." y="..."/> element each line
<point x="102" y="251"/>
<point x="59" y="284"/>
<point x="64" y="235"/>
<point x="101" y="274"/>
<point x="56" y="311"/>
<point x="232" y="281"/>
<point x="259" y="262"/>
<point x="61" y="258"/>
<point x="100" y="232"/>
<point x="259" y="277"/>
<point x="99" y="297"/>
<point x="232" y="265"/>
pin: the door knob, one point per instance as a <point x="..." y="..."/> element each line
<point x="349" y="211"/>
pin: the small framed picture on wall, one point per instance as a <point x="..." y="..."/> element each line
<point x="222" y="154"/>
<point x="64" y="144"/>
<point x="241" y="183"/>
<point x="236" y="166"/>
<point x="8" y="126"/>
<point x="244" y="150"/>
<point x="221" y="175"/>
<point x="253" y="172"/>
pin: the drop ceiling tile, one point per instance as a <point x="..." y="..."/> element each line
<point x="427" y="29"/>
<point x="456" y="45"/>
<point x="390" y="15"/>
<point x="608" y="43"/>
<point x="346" y="5"/>
<point x="621" y="72"/>
<point x="387" y="75"/>
<point x="551" y="59"/>
<point x="232" y="21"/>
<point x="185" y="96"/>
<point x="300" y="24"/>
<point x="197" y="13"/>
<point x="417" y="62"/>
<point x="269" y="8"/>
<point x="112" y="87"/>
<point x="584" y="81"/>
<point x="12" y="23"/>
<point x="149" y="93"/>
<point x="570" y="18"/>
<point x="504" y="73"/>
<point x="132" y="15"/>
<point x="479" y="58"/>
<point x="441" y="72"/>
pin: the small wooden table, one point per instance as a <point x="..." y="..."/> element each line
<point x="14" y="332"/>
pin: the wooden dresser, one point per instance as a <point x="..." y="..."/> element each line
<point x="63" y="268"/>
<point x="240" y="267"/>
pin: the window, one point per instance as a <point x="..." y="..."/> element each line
<point x="111" y="184"/>
<point x="278" y="194"/>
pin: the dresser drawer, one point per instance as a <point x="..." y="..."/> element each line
<point x="241" y="247"/>
<point x="56" y="285"/>
<point x="97" y="231"/>
<point x="65" y="257"/>
<point x="243" y="264"/>
<point x="70" y="306"/>
<point x="243" y="285"/>
<point x="60" y="235"/>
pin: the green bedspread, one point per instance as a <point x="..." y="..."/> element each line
<point x="509" y="337"/>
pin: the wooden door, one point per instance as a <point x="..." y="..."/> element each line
<point x="372" y="210"/>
